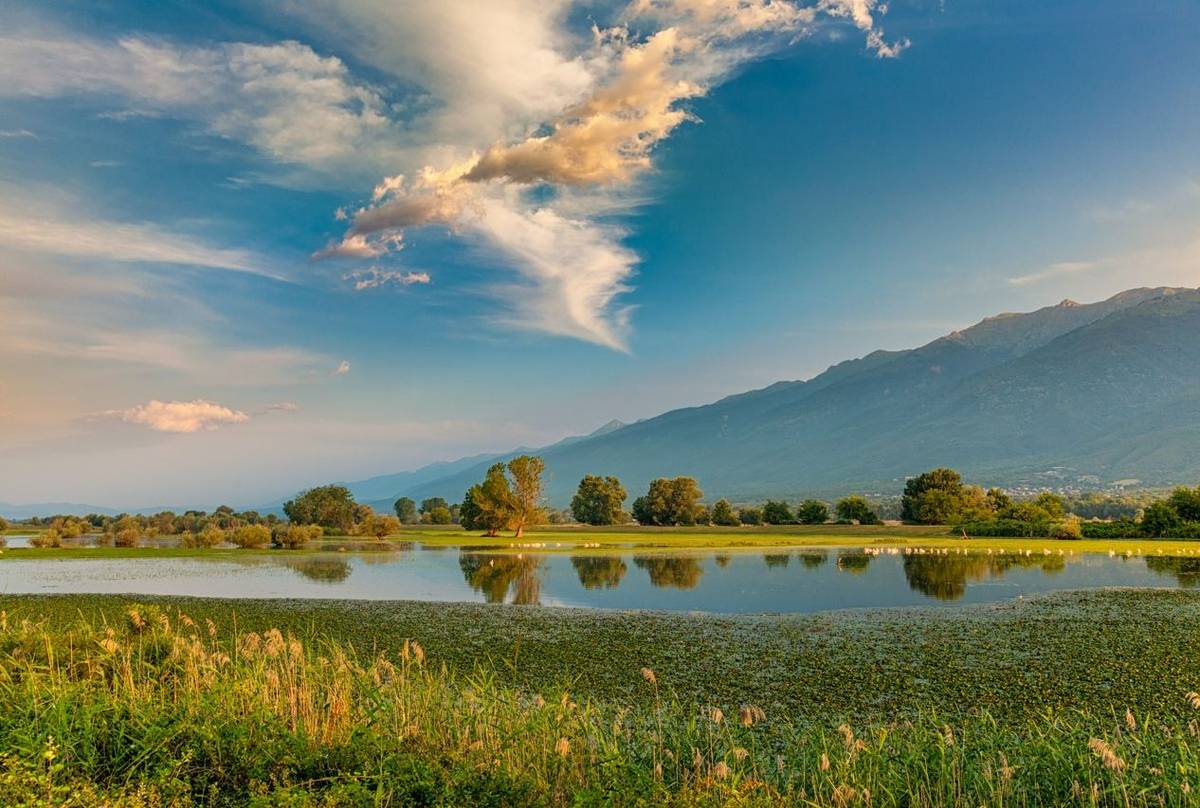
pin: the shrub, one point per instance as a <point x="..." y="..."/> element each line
<point x="777" y="513"/>
<point x="248" y="536"/>
<point x="1007" y="528"/>
<point x="723" y="515"/>
<point x="47" y="538"/>
<point x="1116" y="529"/>
<point x="856" y="509"/>
<point x="750" y="516"/>
<point x="210" y="536"/>
<point x="291" y="537"/>
<point x="812" y="512"/>
<point x="127" y="537"/>
<point x="1069" y="528"/>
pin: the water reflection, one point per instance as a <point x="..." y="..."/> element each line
<point x="677" y="572"/>
<point x="599" y="572"/>
<point x="324" y="570"/>
<point x="777" y="560"/>
<point x="853" y="561"/>
<point x="812" y="559"/>
<point x="1186" y="571"/>
<point x="493" y="575"/>
<point x="946" y="577"/>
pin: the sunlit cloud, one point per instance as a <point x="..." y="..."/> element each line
<point x="375" y="278"/>
<point x="1054" y="271"/>
<point x="342" y="369"/>
<point x="182" y="416"/>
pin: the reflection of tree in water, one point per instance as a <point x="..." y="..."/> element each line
<point x="722" y="559"/>
<point x="1185" y="570"/>
<point x="325" y="570"/>
<point x="813" y="558"/>
<point x="493" y="576"/>
<point x="599" y="572"/>
<point x="853" y="562"/>
<point x="946" y="577"/>
<point x="777" y="560"/>
<point x="679" y="572"/>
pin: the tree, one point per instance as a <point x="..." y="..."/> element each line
<point x="998" y="501"/>
<point x="1160" y="519"/>
<point x="723" y="515"/>
<point x="946" y="480"/>
<point x="489" y="505"/>
<point x="379" y="525"/>
<point x="329" y="506"/>
<point x="526" y="472"/>
<point x="856" y="509"/>
<point x="598" y="501"/>
<point x="669" y="502"/>
<point x="292" y="537"/>
<point x="777" y="513"/>
<point x="750" y="516"/>
<point x="1052" y="504"/>
<point x="406" y="511"/>
<point x="3" y="524"/>
<point x="440" y="515"/>
<point x="427" y="505"/>
<point x="1186" y="502"/>
<point x="812" y="512"/>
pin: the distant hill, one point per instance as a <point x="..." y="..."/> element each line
<point x="1096" y="392"/>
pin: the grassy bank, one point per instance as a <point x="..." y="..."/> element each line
<point x="198" y="701"/>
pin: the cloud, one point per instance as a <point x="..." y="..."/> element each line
<point x="1054" y="271"/>
<point x="374" y="278"/>
<point x="105" y="163"/>
<point x="539" y="202"/>
<point x="66" y="227"/>
<point x="281" y="406"/>
<point x="10" y="133"/>
<point x="182" y="416"/>
<point x="342" y="369"/>
<point x="284" y="99"/>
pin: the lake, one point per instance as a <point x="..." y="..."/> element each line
<point x="807" y="580"/>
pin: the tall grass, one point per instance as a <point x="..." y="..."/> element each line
<point x="165" y="710"/>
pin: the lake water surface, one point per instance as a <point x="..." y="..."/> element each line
<point x="805" y="580"/>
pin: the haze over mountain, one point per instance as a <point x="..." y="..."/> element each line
<point x="1072" y="394"/>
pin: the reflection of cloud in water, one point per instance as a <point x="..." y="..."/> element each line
<point x="492" y="575"/>
<point x="599" y="572"/>
<point x="678" y="572"/>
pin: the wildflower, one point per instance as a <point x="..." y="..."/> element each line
<point x="649" y="676"/>
<point x="1194" y="699"/>
<point x="721" y="771"/>
<point x="1108" y="756"/>
<point x="538" y="701"/>
<point x="1130" y="721"/>
<point x="109" y="645"/>
<point x="824" y="762"/>
<point x="715" y="715"/>
<point x="847" y="737"/>
<point x="562" y="748"/>
<point x="948" y="734"/>
<point x="749" y="714"/>
<point x="843" y="795"/>
<point x="740" y="753"/>
<point x="1006" y="771"/>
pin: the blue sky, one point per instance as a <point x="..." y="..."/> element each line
<point x="605" y="211"/>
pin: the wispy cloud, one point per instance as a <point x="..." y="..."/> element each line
<point x="13" y="133"/>
<point x="1055" y="270"/>
<point x="181" y="416"/>
<point x="68" y="227"/>
<point x="342" y="369"/>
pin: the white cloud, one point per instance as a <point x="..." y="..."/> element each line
<point x="284" y="99"/>
<point x="182" y="416"/>
<point x="10" y="133"/>
<point x="590" y="146"/>
<point x="41" y="225"/>
<point x="1054" y="271"/>
<point x="374" y="278"/>
<point x="342" y="369"/>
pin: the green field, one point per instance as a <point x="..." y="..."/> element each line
<point x="1071" y="699"/>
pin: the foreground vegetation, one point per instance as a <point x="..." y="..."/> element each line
<point x="1067" y="700"/>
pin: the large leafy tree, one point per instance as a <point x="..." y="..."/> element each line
<point x="598" y="500"/>
<point x="723" y="515"/>
<point x="777" y="513"/>
<point x="944" y="480"/>
<point x="669" y="502"/>
<point x="329" y="506"/>
<point x="489" y="504"/>
<point x="856" y="509"/>
<point x="526" y="472"/>
<point x="812" y="512"/>
<point x="406" y="511"/>
<point x="1186" y="502"/>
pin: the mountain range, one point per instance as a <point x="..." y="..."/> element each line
<point x="1072" y="395"/>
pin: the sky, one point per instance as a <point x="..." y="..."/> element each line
<point x="250" y="247"/>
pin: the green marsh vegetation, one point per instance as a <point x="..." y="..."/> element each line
<point x="1065" y="700"/>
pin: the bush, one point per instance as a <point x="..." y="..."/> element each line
<point x="750" y="516"/>
<point x="777" y="513"/>
<point x="47" y="538"/>
<point x="127" y="537"/>
<point x="248" y="536"/>
<point x="812" y="512"/>
<point x="211" y="536"/>
<point x="1007" y="528"/>
<point x="1068" y="529"/>
<point x="292" y="537"/>
<point x="1116" y="529"/>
